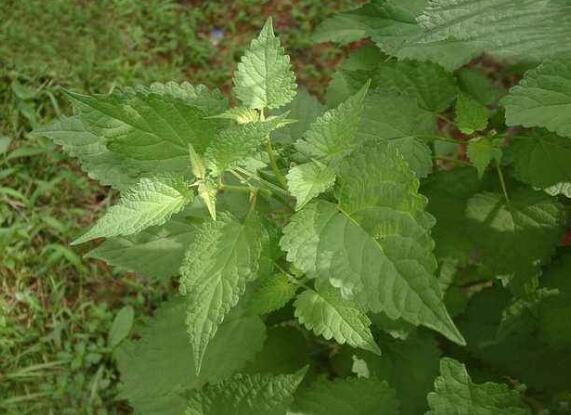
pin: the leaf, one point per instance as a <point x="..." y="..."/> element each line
<point x="520" y="29"/>
<point x="121" y="326"/>
<point x="376" y="244"/>
<point x="434" y="88"/>
<point x="157" y="370"/>
<point x="471" y="116"/>
<point x="541" y="159"/>
<point x="246" y="395"/>
<point x="149" y="126"/>
<point x="332" y="135"/>
<point x="309" y="180"/>
<point x="151" y="202"/>
<point x="327" y="314"/>
<point x="481" y="152"/>
<point x="4" y="143"/>
<point x="207" y="193"/>
<point x="346" y="27"/>
<point x="264" y="77"/>
<point x="400" y="120"/>
<point x="455" y="393"/>
<point x="355" y="396"/>
<point x="477" y="85"/>
<point x="271" y="294"/>
<point x="222" y="259"/>
<point x="241" y="115"/>
<point x="542" y="98"/>
<point x="235" y="144"/>
<point x="157" y="252"/>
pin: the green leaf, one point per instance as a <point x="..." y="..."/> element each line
<point x="121" y="326"/>
<point x="240" y="114"/>
<point x="222" y="259"/>
<point x="264" y="77"/>
<point x="327" y="314"/>
<point x="455" y="393"/>
<point x="477" y="85"/>
<point x="541" y="159"/>
<point x="235" y="144"/>
<point x="309" y="180"/>
<point x="332" y="135"/>
<point x="157" y="252"/>
<point x="376" y="244"/>
<point x="434" y="88"/>
<point x="304" y="108"/>
<point x="347" y="396"/>
<point x="150" y="126"/>
<point x="481" y="152"/>
<point x="471" y="116"/>
<point x="521" y="29"/>
<point x="157" y="370"/>
<point x="345" y="27"/>
<point x="542" y="98"/>
<point x="207" y="193"/>
<point x="246" y="395"/>
<point x="151" y="202"/>
<point x="400" y="120"/>
<point x="270" y="294"/>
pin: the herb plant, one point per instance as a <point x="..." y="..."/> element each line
<point x="329" y="256"/>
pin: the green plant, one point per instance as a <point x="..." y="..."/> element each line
<point x="316" y="274"/>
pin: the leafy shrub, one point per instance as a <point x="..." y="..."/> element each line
<point x="329" y="255"/>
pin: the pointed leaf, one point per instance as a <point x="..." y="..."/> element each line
<point x="471" y="116"/>
<point x="306" y="181"/>
<point x="481" y="152"/>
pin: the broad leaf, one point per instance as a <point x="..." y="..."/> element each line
<point x="264" y="78"/>
<point x="222" y="259"/>
<point x="482" y="152"/>
<point x="455" y="393"/>
<point x="308" y="180"/>
<point x="471" y="116"/>
<point x="270" y="294"/>
<point x="151" y="202"/>
<point x="543" y="98"/>
<point x="327" y="314"/>
<point x="375" y="245"/>
<point x="347" y="396"/>
<point x="246" y="395"/>
<point x="157" y="252"/>
<point x="158" y="370"/>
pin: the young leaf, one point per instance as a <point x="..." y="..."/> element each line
<point x="157" y="369"/>
<point x="308" y="180"/>
<point x="264" y="78"/>
<point x="347" y="396"/>
<point x="207" y="193"/>
<point x="271" y="294"/>
<point x="121" y="326"/>
<point x="541" y="159"/>
<point x="471" y="116"/>
<point x="222" y="259"/>
<point x="542" y="98"/>
<point x="246" y="395"/>
<point x="481" y="152"/>
<point x="240" y="114"/>
<point x="151" y="202"/>
<point x="455" y="393"/>
<point x="376" y="245"/>
<point x="157" y="252"/>
<point x="327" y="314"/>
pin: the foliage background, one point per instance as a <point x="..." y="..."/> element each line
<point x="56" y="309"/>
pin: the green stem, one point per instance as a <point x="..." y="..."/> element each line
<point x="439" y="138"/>
<point x="503" y="183"/>
<point x="273" y="163"/>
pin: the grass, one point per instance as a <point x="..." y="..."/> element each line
<point x="56" y="308"/>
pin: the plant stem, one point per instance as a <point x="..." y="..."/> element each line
<point x="503" y="183"/>
<point x="273" y="162"/>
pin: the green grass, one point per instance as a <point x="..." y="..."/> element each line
<point x="56" y="308"/>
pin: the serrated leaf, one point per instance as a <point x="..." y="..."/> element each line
<point x="327" y="314"/>
<point x="309" y="180"/>
<point x="541" y="159"/>
<point x="455" y="393"/>
<point x="246" y="395"/>
<point x="542" y="98"/>
<point x="477" y="85"/>
<point x="241" y="115"/>
<point x="235" y="144"/>
<point x="521" y="29"/>
<point x="434" y="88"/>
<point x="471" y="116"/>
<point x="355" y="396"/>
<point x="207" y="193"/>
<point x="222" y="259"/>
<point x="482" y="152"/>
<point x="157" y="252"/>
<point x="151" y="202"/>
<point x="196" y="163"/>
<point x="270" y="294"/>
<point x="157" y="370"/>
<point x="121" y="326"/>
<point x="376" y="244"/>
<point x="264" y="77"/>
<point x="331" y="136"/>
